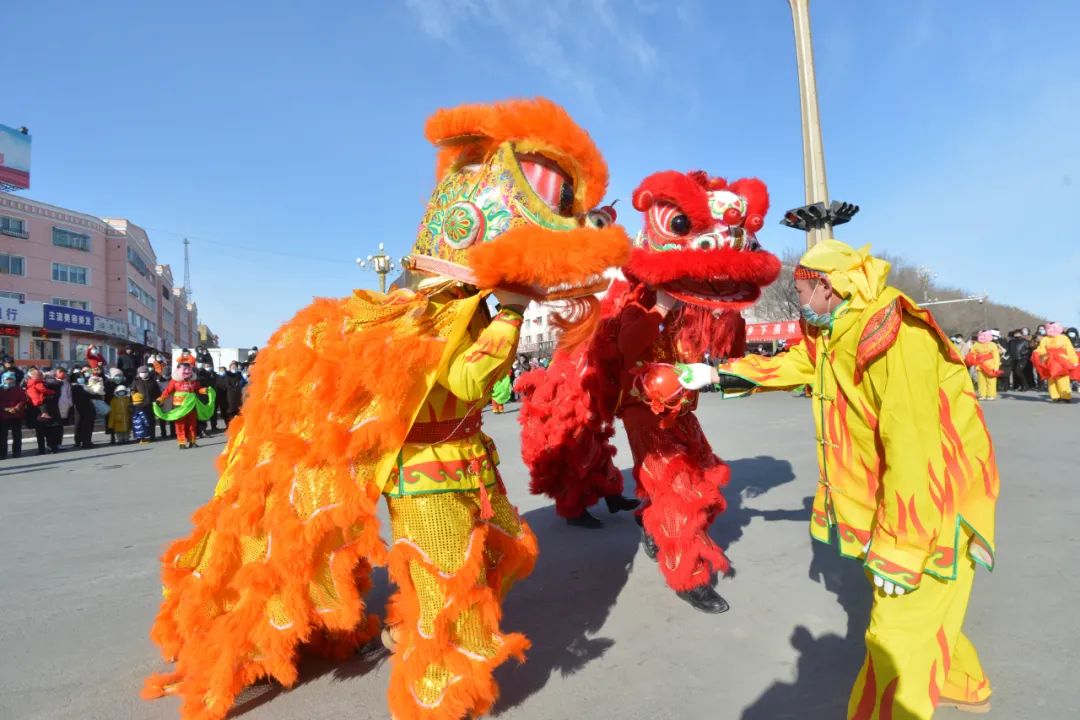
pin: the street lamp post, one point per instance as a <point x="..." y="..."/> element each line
<point x="818" y="216"/>
<point x="381" y="263"/>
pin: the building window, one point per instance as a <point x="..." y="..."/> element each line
<point x="21" y="297"/>
<point x="64" y="302"/>
<point x="144" y="297"/>
<point x="138" y="321"/>
<point x="12" y="264"/>
<point x="70" y="239"/>
<point x="13" y="226"/>
<point x="165" y="292"/>
<point x="139" y="263"/>
<point x="70" y="274"/>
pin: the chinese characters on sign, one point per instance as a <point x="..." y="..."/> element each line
<point x="65" y="318"/>
<point x="767" y="332"/>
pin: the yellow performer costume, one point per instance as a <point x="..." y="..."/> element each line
<point x="908" y="480"/>
<point x="1055" y="357"/>
<point x="381" y="395"/>
<point x="985" y="357"/>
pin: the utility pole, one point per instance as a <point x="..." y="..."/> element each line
<point x="818" y="216"/>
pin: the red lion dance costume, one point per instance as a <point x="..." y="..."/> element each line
<point x="380" y="395"/>
<point x="695" y="265"/>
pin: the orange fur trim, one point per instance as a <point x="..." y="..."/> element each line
<point x="529" y="255"/>
<point x="475" y="691"/>
<point x="334" y="359"/>
<point x="540" y="122"/>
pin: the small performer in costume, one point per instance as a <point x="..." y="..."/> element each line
<point x="1055" y="360"/>
<point x="985" y="357"/>
<point x="281" y="557"/>
<point x="188" y="408"/>
<point x="908" y="480"/>
<point x="500" y="395"/>
<point x="695" y="265"/>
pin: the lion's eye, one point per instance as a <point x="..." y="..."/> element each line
<point x="680" y="224"/>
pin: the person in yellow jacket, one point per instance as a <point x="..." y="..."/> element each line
<point x="985" y="357"/>
<point x="119" y="422"/>
<point x="1055" y="358"/>
<point x="908" y="481"/>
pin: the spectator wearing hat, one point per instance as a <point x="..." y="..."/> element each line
<point x="144" y="391"/>
<point x="120" y="415"/>
<point x="13" y="403"/>
<point x="94" y="358"/>
<point x="10" y="366"/>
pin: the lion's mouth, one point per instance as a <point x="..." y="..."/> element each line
<point x="590" y="285"/>
<point x="720" y="293"/>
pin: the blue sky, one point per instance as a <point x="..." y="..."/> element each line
<point x="286" y="138"/>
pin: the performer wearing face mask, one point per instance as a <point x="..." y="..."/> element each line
<point x="908" y="481"/>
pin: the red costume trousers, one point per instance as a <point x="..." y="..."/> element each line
<point x="679" y="479"/>
<point x="187" y="428"/>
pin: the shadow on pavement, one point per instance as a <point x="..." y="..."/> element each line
<point x="751" y="477"/>
<point x="70" y="455"/>
<point x="567" y="599"/>
<point x="1041" y="396"/>
<point x="828" y="664"/>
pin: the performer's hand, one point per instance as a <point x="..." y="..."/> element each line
<point x="890" y="589"/>
<point x="695" y="376"/>
<point x="512" y="300"/>
<point x="664" y="302"/>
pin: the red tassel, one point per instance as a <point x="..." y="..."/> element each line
<point x="486" y="513"/>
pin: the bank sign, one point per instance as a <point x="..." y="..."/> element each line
<point x="65" y="318"/>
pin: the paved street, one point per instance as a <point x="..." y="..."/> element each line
<point x="81" y="533"/>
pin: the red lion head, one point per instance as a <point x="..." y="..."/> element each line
<point x="699" y="240"/>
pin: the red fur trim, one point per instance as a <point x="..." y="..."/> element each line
<point x="656" y="268"/>
<point x="699" y="331"/>
<point x="757" y="200"/>
<point x="538" y="120"/>
<point x="678" y="472"/>
<point x="679" y="189"/>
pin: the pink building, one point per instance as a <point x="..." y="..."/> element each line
<point x="69" y="280"/>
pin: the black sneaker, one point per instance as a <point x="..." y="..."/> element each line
<point x="616" y="503"/>
<point x="706" y="599"/>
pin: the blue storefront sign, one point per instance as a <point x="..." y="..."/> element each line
<point x="65" y="318"/>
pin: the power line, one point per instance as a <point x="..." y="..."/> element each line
<point x="248" y="248"/>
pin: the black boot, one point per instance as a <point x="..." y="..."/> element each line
<point x="585" y="520"/>
<point x="647" y="541"/>
<point x="706" y="599"/>
<point x="649" y="545"/>
<point x="615" y="503"/>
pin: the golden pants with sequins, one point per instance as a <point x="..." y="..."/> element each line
<point x="916" y="654"/>
<point x="454" y="557"/>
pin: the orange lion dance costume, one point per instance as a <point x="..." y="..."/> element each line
<point x="281" y="556"/>
<point x="694" y="266"/>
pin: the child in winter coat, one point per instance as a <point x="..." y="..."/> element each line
<point x="120" y="414"/>
<point x="141" y="422"/>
